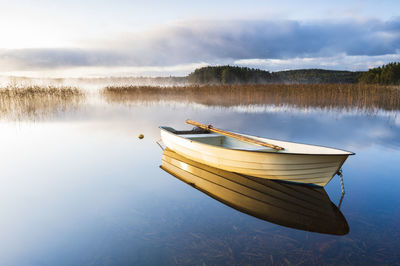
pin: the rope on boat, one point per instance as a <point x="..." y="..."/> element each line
<point x="159" y="144"/>
<point x="340" y="174"/>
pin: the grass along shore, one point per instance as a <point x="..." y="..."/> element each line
<point x="35" y="102"/>
<point x="362" y="96"/>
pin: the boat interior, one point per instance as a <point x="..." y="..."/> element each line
<point x="215" y="139"/>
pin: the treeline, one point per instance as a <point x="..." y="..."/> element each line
<point x="228" y="75"/>
<point x="387" y="75"/>
<point x="245" y="75"/>
<point x="315" y="76"/>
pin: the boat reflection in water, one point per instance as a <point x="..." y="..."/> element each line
<point x="297" y="206"/>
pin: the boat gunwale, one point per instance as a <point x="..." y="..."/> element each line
<point x="348" y="153"/>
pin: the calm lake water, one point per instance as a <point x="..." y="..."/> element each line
<point x="79" y="188"/>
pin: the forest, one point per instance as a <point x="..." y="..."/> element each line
<point x="386" y="75"/>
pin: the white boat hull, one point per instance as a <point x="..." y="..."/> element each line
<point x="317" y="169"/>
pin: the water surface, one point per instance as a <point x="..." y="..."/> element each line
<point x="78" y="187"/>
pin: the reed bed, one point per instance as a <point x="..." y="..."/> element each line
<point x="37" y="102"/>
<point x="342" y="96"/>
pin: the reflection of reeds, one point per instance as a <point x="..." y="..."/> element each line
<point x="366" y="97"/>
<point x="35" y="102"/>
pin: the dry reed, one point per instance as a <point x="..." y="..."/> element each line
<point x="342" y="96"/>
<point x="36" y="102"/>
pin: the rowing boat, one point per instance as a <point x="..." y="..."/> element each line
<point x="246" y="154"/>
<point x="292" y="205"/>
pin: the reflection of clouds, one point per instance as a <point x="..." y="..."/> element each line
<point x="396" y="120"/>
<point x="379" y="133"/>
<point x="347" y="129"/>
<point x="269" y="108"/>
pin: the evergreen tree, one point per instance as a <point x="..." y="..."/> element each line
<point x="388" y="74"/>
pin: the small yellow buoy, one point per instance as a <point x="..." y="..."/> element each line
<point x="140" y="136"/>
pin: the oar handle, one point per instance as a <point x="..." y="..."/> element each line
<point x="233" y="135"/>
<point x="197" y="124"/>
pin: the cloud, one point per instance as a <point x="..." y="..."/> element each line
<point x="49" y="58"/>
<point x="277" y="40"/>
<point x="338" y="62"/>
<point x="219" y="42"/>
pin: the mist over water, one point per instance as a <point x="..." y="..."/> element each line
<point x="91" y="83"/>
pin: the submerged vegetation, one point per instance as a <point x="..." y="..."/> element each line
<point x="35" y="102"/>
<point x="361" y="96"/>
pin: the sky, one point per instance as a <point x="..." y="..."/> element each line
<point x="53" y="38"/>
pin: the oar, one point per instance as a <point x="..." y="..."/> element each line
<point x="233" y="135"/>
